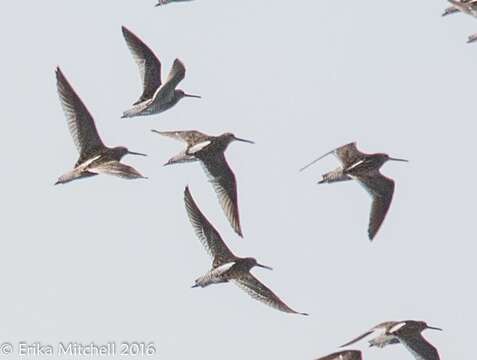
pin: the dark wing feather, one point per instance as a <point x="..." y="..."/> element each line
<point x="148" y="63"/>
<point x="176" y="75"/>
<point x="224" y="183"/>
<point x="419" y="347"/>
<point x="80" y="122"/>
<point x="208" y="236"/>
<point x="381" y="189"/>
<point x="260" y="292"/>
<point x="343" y="355"/>
<point x="348" y="154"/>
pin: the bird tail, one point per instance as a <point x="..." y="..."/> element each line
<point x="334" y="176"/>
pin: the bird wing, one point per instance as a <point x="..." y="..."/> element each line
<point x="148" y="63"/>
<point x="347" y="154"/>
<point x="115" y="168"/>
<point x="343" y="355"/>
<point x="358" y="338"/>
<point x="418" y="346"/>
<point x="381" y="189"/>
<point x="208" y="236"/>
<point x="79" y="120"/>
<point x="260" y="292"/>
<point x="190" y="137"/>
<point x="166" y="92"/>
<point x="225" y="186"/>
<point x="468" y="8"/>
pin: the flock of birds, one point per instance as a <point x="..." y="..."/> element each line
<point x="468" y="7"/>
<point x="157" y="96"/>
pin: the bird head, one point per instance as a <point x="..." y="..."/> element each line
<point x="122" y="151"/>
<point x="229" y="137"/>
<point x="251" y="262"/>
<point x="181" y="94"/>
<point x="382" y="158"/>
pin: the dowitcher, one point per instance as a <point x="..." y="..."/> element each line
<point x="365" y="169"/>
<point x="343" y="355"/>
<point x="156" y="96"/>
<point x="452" y="9"/>
<point x="164" y="2"/>
<point x="225" y="265"/>
<point x="406" y="332"/>
<point x="209" y="150"/>
<point x="95" y="158"/>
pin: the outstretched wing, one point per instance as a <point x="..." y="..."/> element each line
<point x="80" y="122"/>
<point x="190" y="137"/>
<point x="223" y="181"/>
<point x="343" y="355"/>
<point x="260" y="292"/>
<point x="381" y="189"/>
<point x="148" y="63"/>
<point x="117" y="169"/>
<point x="418" y="346"/>
<point x="362" y="336"/>
<point x="176" y="75"/>
<point x="347" y="154"/>
<point x="208" y="236"/>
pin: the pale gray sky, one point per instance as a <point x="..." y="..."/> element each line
<point x="106" y="259"/>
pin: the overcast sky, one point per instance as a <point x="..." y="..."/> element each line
<point x="105" y="259"/>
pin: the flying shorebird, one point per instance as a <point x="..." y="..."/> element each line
<point x="407" y="332"/>
<point x="467" y="7"/>
<point x="343" y="355"/>
<point x="209" y="150"/>
<point x="163" y="2"/>
<point x="156" y="96"/>
<point x="452" y="9"/>
<point x="365" y="169"/>
<point x="95" y="158"/>
<point x="225" y="265"/>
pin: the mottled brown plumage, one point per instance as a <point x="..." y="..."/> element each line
<point x="365" y="169"/>
<point x="209" y="150"/>
<point x="407" y="332"/>
<point x="225" y="265"/>
<point x="95" y="158"/>
<point x="156" y="96"/>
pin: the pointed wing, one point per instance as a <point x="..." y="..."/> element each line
<point x="260" y="292"/>
<point x="358" y="338"/>
<point x="176" y="75"/>
<point x="190" y="137"/>
<point x="223" y="181"/>
<point x="418" y="346"/>
<point x="468" y="8"/>
<point x="117" y="169"/>
<point x="381" y="189"/>
<point x="208" y="236"/>
<point x="148" y="63"/>
<point x="80" y="122"/>
<point x="343" y="355"/>
<point x="347" y="154"/>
